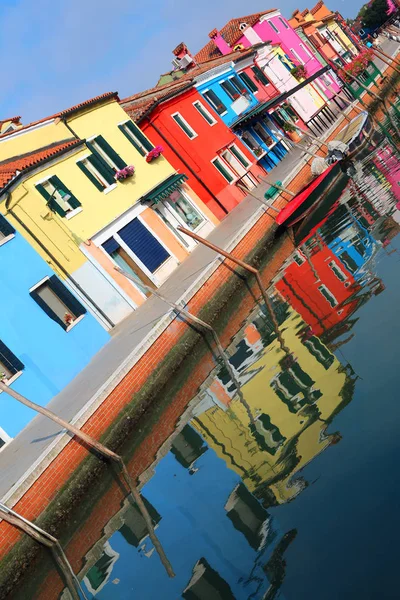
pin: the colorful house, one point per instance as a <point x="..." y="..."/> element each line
<point x="47" y="331"/>
<point x="195" y="138"/>
<point x="80" y="186"/>
<point x="331" y="27"/>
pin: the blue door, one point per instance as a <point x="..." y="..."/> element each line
<point x="143" y="243"/>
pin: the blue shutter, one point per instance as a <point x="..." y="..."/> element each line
<point x="5" y="228"/>
<point x="9" y="360"/>
<point x="110" y="245"/>
<point x="66" y="296"/>
<point x="144" y="245"/>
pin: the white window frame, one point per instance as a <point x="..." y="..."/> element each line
<point x="5" y="437"/>
<point x="102" y="152"/>
<point x="238" y="150"/>
<point x="305" y="48"/>
<point x="6" y="238"/>
<point x="226" y="167"/>
<point x="297" y="56"/>
<point x="195" y="135"/>
<point x="133" y="137"/>
<point x="203" y="108"/>
<point x="42" y="282"/>
<point x="215" y="108"/>
<point x="108" y="186"/>
<point x="330" y="294"/>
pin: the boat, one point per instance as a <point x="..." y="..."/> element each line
<point x="311" y="195"/>
<point x="356" y="133"/>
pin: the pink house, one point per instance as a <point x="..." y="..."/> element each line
<point x="269" y="26"/>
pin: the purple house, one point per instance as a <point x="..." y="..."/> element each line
<point x="269" y="26"/>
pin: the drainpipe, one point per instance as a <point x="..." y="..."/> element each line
<point x="188" y="166"/>
<point x="59" y="265"/>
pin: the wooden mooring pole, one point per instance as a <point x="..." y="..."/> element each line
<point x="109" y="454"/>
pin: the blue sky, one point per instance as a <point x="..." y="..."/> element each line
<point x="56" y="54"/>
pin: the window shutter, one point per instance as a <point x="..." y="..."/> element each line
<point x="103" y="169"/>
<point x="66" y="296"/>
<point x="110" y="245"/>
<point x="90" y="176"/>
<point x="5" y="228"/>
<point x="260" y="75"/>
<point x="248" y="81"/>
<point x="143" y="243"/>
<point x="104" y="145"/>
<point x="139" y="135"/>
<point x="132" y="141"/>
<point x="73" y="201"/>
<point x="35" y="296"/>
<point x="13" y="364"/>
<point x="52" y="204"/>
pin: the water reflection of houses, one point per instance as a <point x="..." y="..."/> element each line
<point x="291" y="400"/>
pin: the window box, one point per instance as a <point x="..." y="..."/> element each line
<point x="125" y="173"/>
<point x="154" y="153"/>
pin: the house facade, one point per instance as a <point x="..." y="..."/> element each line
<point x="87" y="180"/>
<point x="198" y="142"/>
<point x="47" y="331"/>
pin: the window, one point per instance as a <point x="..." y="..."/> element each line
<point x="337" y="271"/>
<point x="136" y="137"/>
<point x="58" y="197"/>
<point x="215" y="102"/>
<point x="230" y="89"/>
<point x="102" y="149"/>
<point x="98" y="172"/>
<point x="299" y="259"/>
<point x="328" y="295"/>
<point x="10" y="365"/>
<point x="248" y="81"/>
<point x="306" y="50"/>
<point x="239" y="155"/>
<point x="238" y="85"/>
<point x="266" y="138"/>
<point x="204" y="113"/>
<point x="297" y="56"/>
<point x="252" y="143"/>
<point x="184" y="125"/>
<point x="274" y="27"/>
<point x="260" y="75"/>
<point x="223" y="169"/>
<point x="284" y="23"/>
<point x="185" y="209"/>
<point x="57" y="302"/>
<point x="6" y="230"/>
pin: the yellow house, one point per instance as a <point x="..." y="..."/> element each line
<point x="89" y="192"/>
<point x="280" y="423"/>
<point x="330" y="28"/>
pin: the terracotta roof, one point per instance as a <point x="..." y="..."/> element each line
<point x="137" y="104"/>
<point x="316" y="8"/>
<point x="10" y="120"/>
<point x="209" y="51"/>
<point x="231" y="33"/>
<point x="12" y="166"/>
<point x="67" y="111"/>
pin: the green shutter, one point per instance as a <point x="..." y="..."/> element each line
<point x="260" y="75"/>
<point x="104" y="145"/>
<point x="218" y="164"/>
<point x="52" y="204"/>
<point x="73" y="201"/>
<point x="248" y="81"/>
<point x="139" y="135"/>
<point x="132" y="141"/>
<point x="103" y="168"/>
<point x="241" y="158"/>
<point x="90" y="176"/>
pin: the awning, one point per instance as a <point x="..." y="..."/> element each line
<point x="165" y="189"/>
<point x="264" y="106"/>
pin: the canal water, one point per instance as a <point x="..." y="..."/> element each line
<point x="282" y="483"/>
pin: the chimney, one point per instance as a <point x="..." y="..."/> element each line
<point x="219" y="41"/>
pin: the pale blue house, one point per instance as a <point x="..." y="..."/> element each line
<point x="47" y="334"/>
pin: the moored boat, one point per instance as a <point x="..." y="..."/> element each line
<point x="310" y="196"/>
<point x="357" y="133"/>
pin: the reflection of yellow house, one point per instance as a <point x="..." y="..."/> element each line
<point x="289" y="433"/>
<point x="58" y="187"/>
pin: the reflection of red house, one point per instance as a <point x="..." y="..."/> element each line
<point x="317" y="287"/>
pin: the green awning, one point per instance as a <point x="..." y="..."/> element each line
<point x="165" y="189"/>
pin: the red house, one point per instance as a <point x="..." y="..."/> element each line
<point x="195" y="140"/>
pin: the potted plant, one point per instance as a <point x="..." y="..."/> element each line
<point x="291" y="132"/>
<point x="258" y="151"/>
<point x="299" y="72"/>
<point x="125" y="173"/>
<point x="154" y="153"/>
